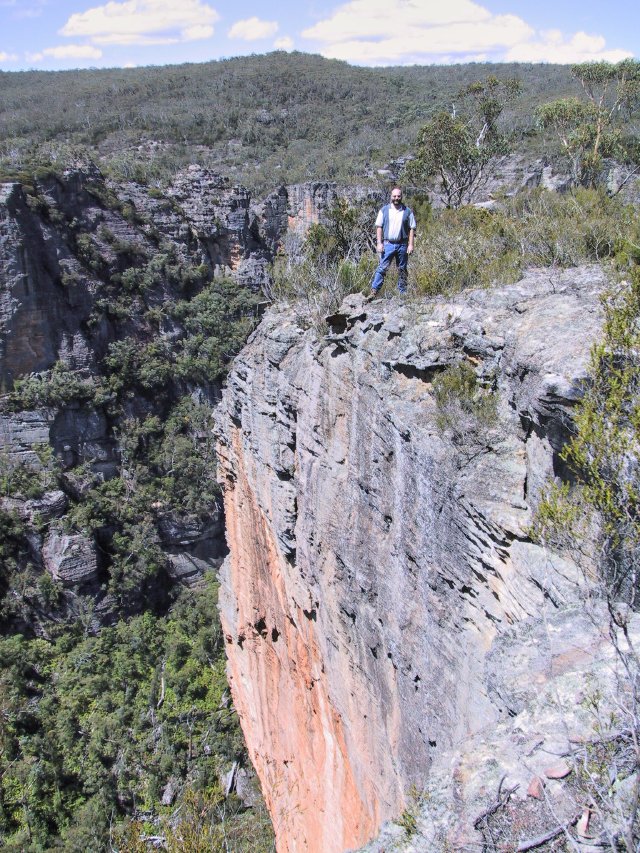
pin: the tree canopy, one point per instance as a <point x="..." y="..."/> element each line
<point x="591" y="128"/>
<point x="455" y="148"/>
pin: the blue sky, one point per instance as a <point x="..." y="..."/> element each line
<point x="58" y="34"/>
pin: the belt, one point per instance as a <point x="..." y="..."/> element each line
<point x="397" y="242"/>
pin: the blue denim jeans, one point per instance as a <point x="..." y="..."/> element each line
<point x="391" y="251"/>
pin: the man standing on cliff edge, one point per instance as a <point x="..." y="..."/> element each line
<point x="395" y="230"/>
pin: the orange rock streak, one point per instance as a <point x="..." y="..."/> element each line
<point x="297" y="741"/>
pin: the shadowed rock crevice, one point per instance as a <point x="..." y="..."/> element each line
<point x="412" y="371"/>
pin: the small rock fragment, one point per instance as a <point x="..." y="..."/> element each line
<point x="535" y="788"/>
<point x="170" y="791"/>
<point x="558" y="771"/>
<point x="582" y="826"/>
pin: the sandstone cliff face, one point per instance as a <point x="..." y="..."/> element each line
<point x="37" y="317"/>
<point x="376" y="551"/>
<point x="307" y="203"/>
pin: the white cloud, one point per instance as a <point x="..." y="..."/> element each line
<point x="197" y="32"/>
<point x="284" y="43"/>
<point x="553" y="47"/>
<point x="144" y="22"/>
<point x="136" y="39"/>
<point x="253" y="29"/>
<point x="385" y="32"/>
<point x="361" y="19"/>
<point x="428" y="44"/>
<point x="7" y="57"/>
<point x="66" y="51"/>
<point x="73" y="51"/>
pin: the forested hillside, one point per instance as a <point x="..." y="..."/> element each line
<point x="266" y="120"/>
<point x="115" y="338"/>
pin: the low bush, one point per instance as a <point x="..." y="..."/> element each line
<point x="470" y="247"/>
<point x="466" y="248"/>
<point x="465" y="408"/>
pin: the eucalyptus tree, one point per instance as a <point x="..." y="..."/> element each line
<point x="455" y="148"/>
<point x="596" y="126"/>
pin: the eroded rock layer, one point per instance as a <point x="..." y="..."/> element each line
<point x="379" y="537"/>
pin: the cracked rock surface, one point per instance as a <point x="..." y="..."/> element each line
<point x="377" y="555"/>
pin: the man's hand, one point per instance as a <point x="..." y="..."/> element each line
<point x="380" y="247"/>
<point x="409" y="248"/>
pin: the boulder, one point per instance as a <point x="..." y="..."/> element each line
<point x="50" y="505"/>
<point x="70" y="559"/>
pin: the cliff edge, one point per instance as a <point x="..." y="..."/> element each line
<point x="378" y="484"/>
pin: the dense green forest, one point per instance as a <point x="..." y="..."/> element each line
<point x="96" y="725"/>
<point x="265" y="120"/>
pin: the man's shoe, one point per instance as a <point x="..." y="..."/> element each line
<point x="373" y="294"/>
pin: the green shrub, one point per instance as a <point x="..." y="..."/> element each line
<point x="408" y="820"/>
<point x="53" y="388"/>
<point x="19" y="479"/>
<point x="478" y="248"/>
<point x="464" y="406"/>
<point x="604" y="452"/>
<point x="217" y="321"/>
<point x="462" y="249"/>
<point x="88" y="253"/>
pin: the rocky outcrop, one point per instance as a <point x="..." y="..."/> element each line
<point x="72" y="560"/>
<point x="21" y="434"/>
<point x="66" y="242"/>
<point x="191" y="545"/>
<point x="38" y="316"/>
<point x="235" y="234"/>
<point x="308" y="202"/>
<point x="273" y="214"/>
<point x="379" y="543"/>
<point x="513" y="173"/>
<point x="51" y="505"/>
<point x="220" y="216"/>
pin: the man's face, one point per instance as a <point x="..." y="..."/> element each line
<point x="396" y="197"/>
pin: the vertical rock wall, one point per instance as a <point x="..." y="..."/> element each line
<point x="38" y="317"/>
<point x="375" y="552"/>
